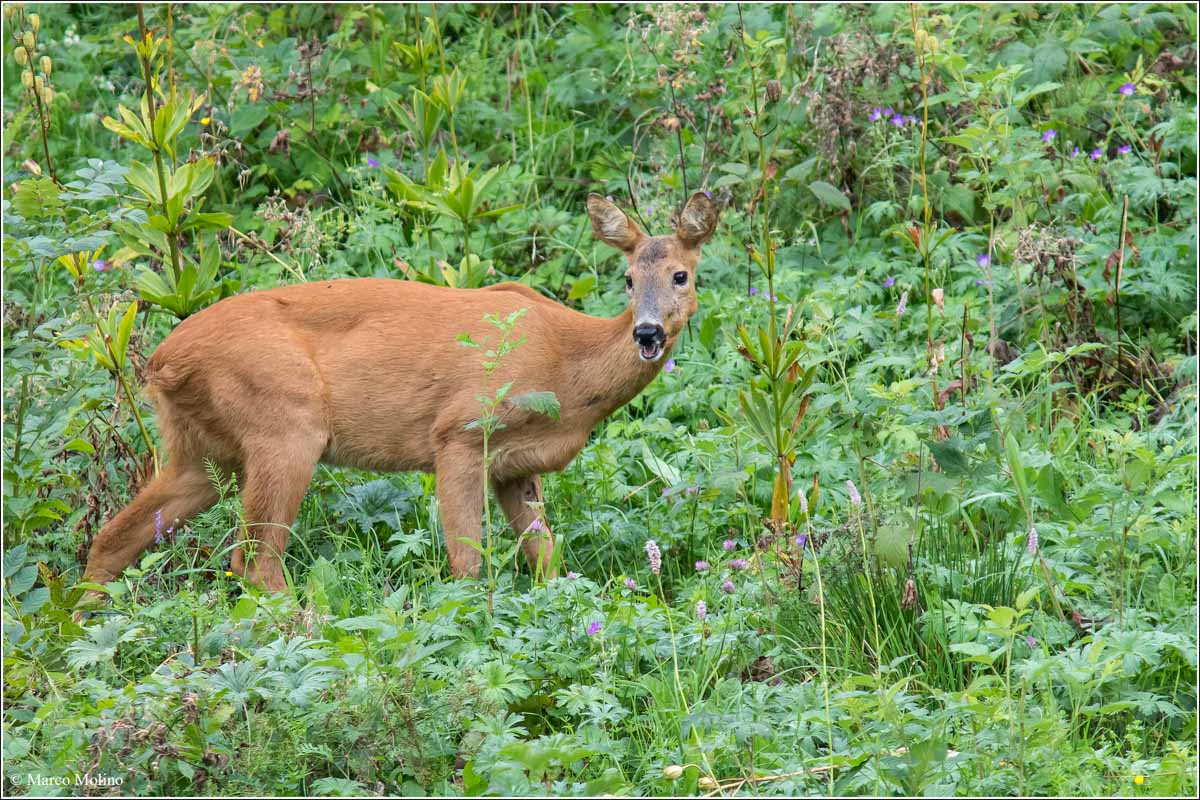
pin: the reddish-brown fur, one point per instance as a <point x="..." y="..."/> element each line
<point x="368" y="373"/>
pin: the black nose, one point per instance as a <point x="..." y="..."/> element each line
<point x="649" y="335"/>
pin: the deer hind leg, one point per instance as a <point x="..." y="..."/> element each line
<point x="460" y="499"/>
<point x="275" y="483"/>
<point x="521" y="499"/>
<point x="180" y="491"/>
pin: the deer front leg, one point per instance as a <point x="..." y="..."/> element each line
<point x="459" y="472"/>
<point x="522" y="499"/>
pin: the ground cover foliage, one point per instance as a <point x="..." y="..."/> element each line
<point x="911" y="510"/>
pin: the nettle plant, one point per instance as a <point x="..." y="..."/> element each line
<point x="170" y="195"/>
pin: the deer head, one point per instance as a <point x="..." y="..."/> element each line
<point x="660" y="278"/>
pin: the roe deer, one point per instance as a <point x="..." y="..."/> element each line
<point x="368" y="373"/>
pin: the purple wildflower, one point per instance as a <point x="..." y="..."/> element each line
<point x="1127" y="89"/>
<point x="983" y="260"/>
<point x="1031" y="544"/>
<point x="594" y="628"/>
<point x="875" y="115"/>
<point x="701" y="610"/>
<point x="897" y="120"/>
<point x="655" y="556"/>
<point x="902" y="305"/>
<point x="631" y="584"/>
<point x="708" y="194"/>
<point x="371" y="162"/>
<point x="728" y="588"/>
<point x="982" y="282"/>
<point x="670" y="365"/>
<point x="1075" y="152"/>
<point x="1096" y="154"/>
<point x="572" y="576"/>
<point x="910" y="119"/>
<point x="702" y="566"/>
<point x="887" y="112"/>
<point x="1032" y="642"/>
<point x="158" y="527"/>
<point x="1125" y="149"/>
<point x="537" y="526"/>
<point x="753" y="291"/>
<point x="100" y="265"/>
<point x="739" y="563"/>
<point x="802" y="540"/>
<point x="730" y="545"/>
<point x="890" y="282"/>
<point x="1049" y="135"/>
<point x="855" y="497"/>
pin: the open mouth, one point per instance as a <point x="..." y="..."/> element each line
<point x="650" y="352"/>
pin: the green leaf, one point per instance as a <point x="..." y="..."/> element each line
<point x="544" y="403"/>
<point x="37" y="198"/>
<point x="582" y="287"/>
<point x="830" y="195"/>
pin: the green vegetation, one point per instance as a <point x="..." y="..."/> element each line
<point x="931" y="434"/>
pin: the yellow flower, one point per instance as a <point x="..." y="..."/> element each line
<point x="1139" y="779"/>
<point x="205" y="120"/>
<point x="228" y="574"/>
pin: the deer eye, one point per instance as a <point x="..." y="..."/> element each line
<point x="629" y="283"/>
<point x="681" y="279"/>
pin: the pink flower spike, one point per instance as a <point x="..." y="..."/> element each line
<point x="855" y="497"/>
<point x="730" y="545"/>
<point x="1031" y="544"/>
<point x="701" y="610"/>
<point x="655" y="556"/>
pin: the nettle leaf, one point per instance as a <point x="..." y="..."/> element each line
<point x="544" y="403"/>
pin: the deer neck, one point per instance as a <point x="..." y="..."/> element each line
<point x="607" y="371"/>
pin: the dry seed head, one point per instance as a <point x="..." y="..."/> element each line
<point x="673" y="772"/>
<point x="46" y="65"/>
<point x="8" y="11"/>
<point x="47" y="96"/>
<point x="21" y="55"/>
<point x="28" y="39"/>
<point x="27" y="79"/>
<point x="39" y="84"/>
<point x="35" y="22"/>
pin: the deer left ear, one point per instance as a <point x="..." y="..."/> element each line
<point x="697" y="221"/>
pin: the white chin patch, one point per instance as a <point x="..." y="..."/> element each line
<point x="650" y="353"/>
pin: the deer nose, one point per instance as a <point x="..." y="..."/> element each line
<point x="649" y="334"/>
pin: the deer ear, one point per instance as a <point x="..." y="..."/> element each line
<point x="611" y="226"/>
<point x="697" y="221"/>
